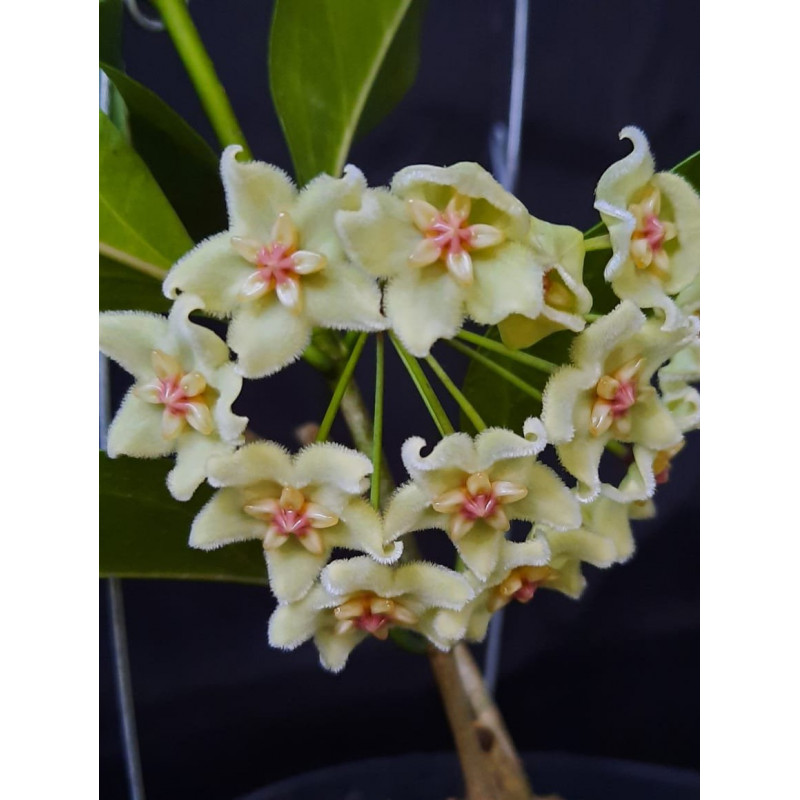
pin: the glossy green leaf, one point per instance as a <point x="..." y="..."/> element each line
<point x="144" y="532"/>
<point x="181" y="161"/>
<point x="138" y="228"/>
<point x="500" y="403"/>
<point x="110" y="26"/>
<point x="398" y="71"/>
<point x="325" y="58"/>
<point x="123" y="288"/>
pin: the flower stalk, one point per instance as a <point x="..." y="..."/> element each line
<point x="195" y="58"/>
<point x="340" y="389"/>
<point x="515" y="355"/>
<point x="377" y="425"/>
<point x="469" y="410"/>
<point x="424" y="388"/>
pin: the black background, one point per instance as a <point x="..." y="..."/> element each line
<point x="614" y="674"/>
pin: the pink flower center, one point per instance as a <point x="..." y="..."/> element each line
<point x="170" y="393"/>
<point x="653" y="231"/>
<point x="450" y="232"/>
<point x="526" y="591"/>
<point x="274" y="262"/>
<point x="479" y="506"/>
<point x="624" y="398"/>
<point x="289" y="521"/>
<point x="370" y="622"/>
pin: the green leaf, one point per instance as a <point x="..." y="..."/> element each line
<point x="110" y="23"/>
<point x="398" y="71"/>
<point x="138" y="228"/>
<point x="325" y="58"/>
<point x="500" y="403"/>
<point x="181" y="161"/>
<point x="123" y="288"/>
<point x="144" y="532"/>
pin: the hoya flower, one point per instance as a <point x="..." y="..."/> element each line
<point x="559" y="250"/>
<point x="472" y="489"/>
<point x="181" y="399"/>
<point x="653" y="220"/>
<point x="684" y="366"/>
<point x="279" y="270"/>
<point x="300" y="507"/>
<point x="606" y="393"/>
<point x="358" y="598"/>
<point x="452" y="242"/>
<point x="548" y="559"/>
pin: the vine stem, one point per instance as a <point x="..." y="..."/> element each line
<point x="597" y="243"/>
<point x="341" y="386"/>
<point x="507" y="375"/>
<point x="424" y="388"/>
<point x="515" y="355"/>
<point x="469" y="410"/>
<point x="193" y="54"/>
<point x="377" y="425"/>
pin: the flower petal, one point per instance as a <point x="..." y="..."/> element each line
<point x="479" y="549"/>
<point x="581" y="458"/>
<point x="193" y="452"/>
<point x="447" y="465"/>
<point x="259" y="461"/>
<point x="497" y="444"/>
<point x="255" y="193"/>
<point x="507" y="281"/>
<point x="548" y="500"/>
<point x="136" y="430"/>
<point x="652" y="425"/>
<point x="361" y="528"/>
<point x="266" y="336"/>
<point x="317" y="206"/>
<point x="424" y="305"/>
<point x="472" y="181"/>
<point x="335" y="648"/>
<point x="344" y="297"/>
<point x="293" y="569"/>
<point x="409" y="510"/>
<point x="221" y="521"/>
<point x="213" y="271"/>
<point x="329" y="462"/>
<point x="291" y="625"/>
<point x="379" y="237"/>
<point x="129" y="338"/>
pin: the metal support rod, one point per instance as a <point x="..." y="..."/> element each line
<point x="505" y="146"/>
<point x="119" y="639"/>
<point x="122" y="675"/>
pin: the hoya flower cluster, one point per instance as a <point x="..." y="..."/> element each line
<point x="441" y="246"/>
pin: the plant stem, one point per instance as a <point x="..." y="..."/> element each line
<point x="472" y="415"/>
<point x="597" y="243"/>
<point x="377" y="425"/>
<point x="497" y="369"/>
<point x="339" y="390"/>
<point x="489" y="762"/>
<point x="211" y="92"/>
<point x="515" y="355"/>
<point x="592" y="317"/>
<point x="424" y="388"/>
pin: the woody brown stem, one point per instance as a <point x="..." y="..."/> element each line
<point x="491" y="767"/>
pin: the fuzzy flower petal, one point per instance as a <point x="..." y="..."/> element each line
<point x="300" y="507"/>
<point x="280" y="269"/>
<point x="453" y="243"/>
<point x="653" y="220"/>
<point x="476" y="488"/>
<point x="559" y="251"/>
<point x="181" y="401"/>
<point x="606" y="393"/>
